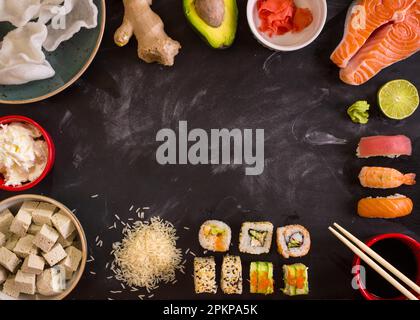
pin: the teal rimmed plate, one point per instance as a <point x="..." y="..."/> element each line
<point x="70" y="61"/>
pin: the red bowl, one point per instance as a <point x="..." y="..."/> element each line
<point x="410" y="242"/>
<point x="50" y="159"/>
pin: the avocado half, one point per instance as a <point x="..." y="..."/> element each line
<point x="220" y="37"/>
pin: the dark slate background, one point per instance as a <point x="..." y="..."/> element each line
<point x="104" y="129"/>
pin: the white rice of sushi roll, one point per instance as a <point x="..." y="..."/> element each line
<point x="231" y="280"/>
<point x="205" y="275"/>
<point x="255" y="237"/>
<point x="293" y="241"/>
<point x="215" y="235"/>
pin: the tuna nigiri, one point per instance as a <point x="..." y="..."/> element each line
<point x="384" y="146"/>
<point x="395" y="206"/>
<point x="383" y="178"/>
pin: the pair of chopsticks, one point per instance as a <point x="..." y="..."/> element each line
<point x="357" y="246"/>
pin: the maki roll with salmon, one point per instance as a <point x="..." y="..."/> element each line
<point x="215" y="236"/>
<point x="293" y="241"/>
<point x="261" y="276"/>
<point x="255" y="237"/>
<point x="295" y="279"/>
<point x="231" y="282"/>
<point x="205" y="275"/>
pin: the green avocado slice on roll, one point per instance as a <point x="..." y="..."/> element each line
<point x="215" y="20"/>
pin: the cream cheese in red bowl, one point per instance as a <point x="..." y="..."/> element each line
<point x="27" y="153"/>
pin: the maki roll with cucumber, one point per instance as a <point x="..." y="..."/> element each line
<point x="293" y="241"/>
<point x="295" y="279"/>
<point x="231" y="282"/>
<point x="255" y="237"/>
<point x="261" y="277"/>
<point x="215" y="236"/>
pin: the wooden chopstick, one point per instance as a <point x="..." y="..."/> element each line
<point x="374" y="265"/>
<point x="379" y="259"/>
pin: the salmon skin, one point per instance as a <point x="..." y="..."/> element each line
<point x="384" y="178"/>
<point x="387" y="208"/>
<point x="377" y="34"/>
<point x="384" y="146"/>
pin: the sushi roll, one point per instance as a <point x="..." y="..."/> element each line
<point x="231" y="282"/>
<point x="261" y="275"/>
<point x="295" y="279"/>
<point x="215" y="236"/>
<point x="205" y="275"/>
<point x="255" y="237"/>
<point x="293" y="241"/>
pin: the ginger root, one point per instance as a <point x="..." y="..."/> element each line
<point x="154" y="45"/>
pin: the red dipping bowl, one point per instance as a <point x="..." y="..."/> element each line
<point x="50" y="158"/>
<point x="409" y="242"/>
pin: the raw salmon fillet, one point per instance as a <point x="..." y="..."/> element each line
<point x="387" y="208"/>
<point x="390" y="44"/>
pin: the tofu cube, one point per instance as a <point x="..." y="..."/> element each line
<point x="73" y="258"/>
<point x="54" y="256"/>
<point x="43" y="213"/>
<point x="12" y="241"/>
<point x="52" y="281"/>
<point x="3" y="274"/>
<point x="46" y="238"/>
<point x="34" y="229"/>
<point x="24" y="247"/>
<point x="8" y="259"/>
<point x="21" y="223"/>
<point x="33" y="264"/>
<point x="6" y="218"/>
<point x="68" y="241"/>
<point x="29" y="206"/>
<point x="63" y="224"/>
<point x="3" y="239"/>
<point x="10" y="288"/>
<point x="25" y="282"/>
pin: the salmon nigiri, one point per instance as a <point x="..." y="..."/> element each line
<point x="395" y="206"/>
<point x="384" y="146"/>
<point x="384" y="178"/>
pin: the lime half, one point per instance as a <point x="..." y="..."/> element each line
<point x="398" y="99"/>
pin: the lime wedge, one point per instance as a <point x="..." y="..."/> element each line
<point x="398" y="99"/>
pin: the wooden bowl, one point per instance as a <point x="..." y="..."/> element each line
<point x="13" y="203"/>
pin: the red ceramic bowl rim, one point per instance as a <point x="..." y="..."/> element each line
<point x="51" y="152"/>
<point x="365" y="293"/>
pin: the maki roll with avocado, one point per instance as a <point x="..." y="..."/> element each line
<point x="261" y="277"/>
<point x="215" y="236"/>
<point x="231" y="282"/>
<point x="205" y="275"/>
<point x="255" y="237"/>
<point x="295" y="279"/>
<point x="293" y="241"/>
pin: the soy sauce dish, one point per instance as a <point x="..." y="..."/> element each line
<point x="402" y="251"/>
<point x="27" y="153"/>
<point x="289" y="41"/>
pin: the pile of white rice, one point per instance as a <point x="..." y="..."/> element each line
<point x="148" y="254"/>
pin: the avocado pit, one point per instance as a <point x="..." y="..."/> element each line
<point x="211" y="11"/>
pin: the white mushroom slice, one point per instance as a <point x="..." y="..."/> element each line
<point x="74" y="15"/>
